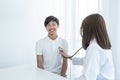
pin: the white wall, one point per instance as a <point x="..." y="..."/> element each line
<point x="111" y="11"/>
<point x="21" y="24"/>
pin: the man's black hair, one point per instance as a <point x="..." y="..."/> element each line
<point x="51" y="18"/>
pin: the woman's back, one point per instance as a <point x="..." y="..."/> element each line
<point x="98" y="64"/>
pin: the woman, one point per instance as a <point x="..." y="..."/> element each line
<point x="98" y="63"/>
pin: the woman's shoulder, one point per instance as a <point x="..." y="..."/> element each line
<point x="95" y="46"/>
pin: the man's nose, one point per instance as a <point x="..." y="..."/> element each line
<point x="51" y="26"/>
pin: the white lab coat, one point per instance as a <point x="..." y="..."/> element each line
<point x="98" y="63"/>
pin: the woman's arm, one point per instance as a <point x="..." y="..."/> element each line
<point x="64" y="54"/>
<point x="77" y="60"/>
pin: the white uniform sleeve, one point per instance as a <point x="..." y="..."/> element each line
<point x="77" y="61"/>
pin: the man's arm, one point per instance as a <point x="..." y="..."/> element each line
<point x="64" y="67"/>
<point x="40" y="61"/>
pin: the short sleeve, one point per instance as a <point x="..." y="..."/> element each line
<point x="38" y="48"/>
<point x="66" y="46"/>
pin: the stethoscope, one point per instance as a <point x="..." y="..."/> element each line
<point x="73" y="54"/>
<point x="70" y="57"/>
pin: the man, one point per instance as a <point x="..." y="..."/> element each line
<point x="48" y="56"/>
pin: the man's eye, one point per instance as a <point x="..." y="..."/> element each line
<point x="54" y="24"/>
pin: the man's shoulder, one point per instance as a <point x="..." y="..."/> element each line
<point x="62" y="39"/>
<point x="41" y="40"/>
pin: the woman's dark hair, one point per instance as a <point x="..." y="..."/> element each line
<point x="51" y="18"/>
<point x="93" y="26"/>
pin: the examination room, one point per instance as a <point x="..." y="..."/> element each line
<point x="59" y="39"/>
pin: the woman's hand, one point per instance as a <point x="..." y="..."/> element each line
<point x="64" y="54"/>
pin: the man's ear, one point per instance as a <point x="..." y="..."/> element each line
<point x="45" y="26"/>
<point x="58" y="26"/>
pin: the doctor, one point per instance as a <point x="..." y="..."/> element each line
<point x="98" y="63"/>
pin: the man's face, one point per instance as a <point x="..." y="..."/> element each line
<point x="52" y="27"/>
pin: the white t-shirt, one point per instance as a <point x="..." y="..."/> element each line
<point x="98" y="64"/>
<point x="52" y="59"/>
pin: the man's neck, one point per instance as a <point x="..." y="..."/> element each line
<point x="52" y="36"/>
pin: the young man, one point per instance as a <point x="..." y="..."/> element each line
<point x="48" y="56"/>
